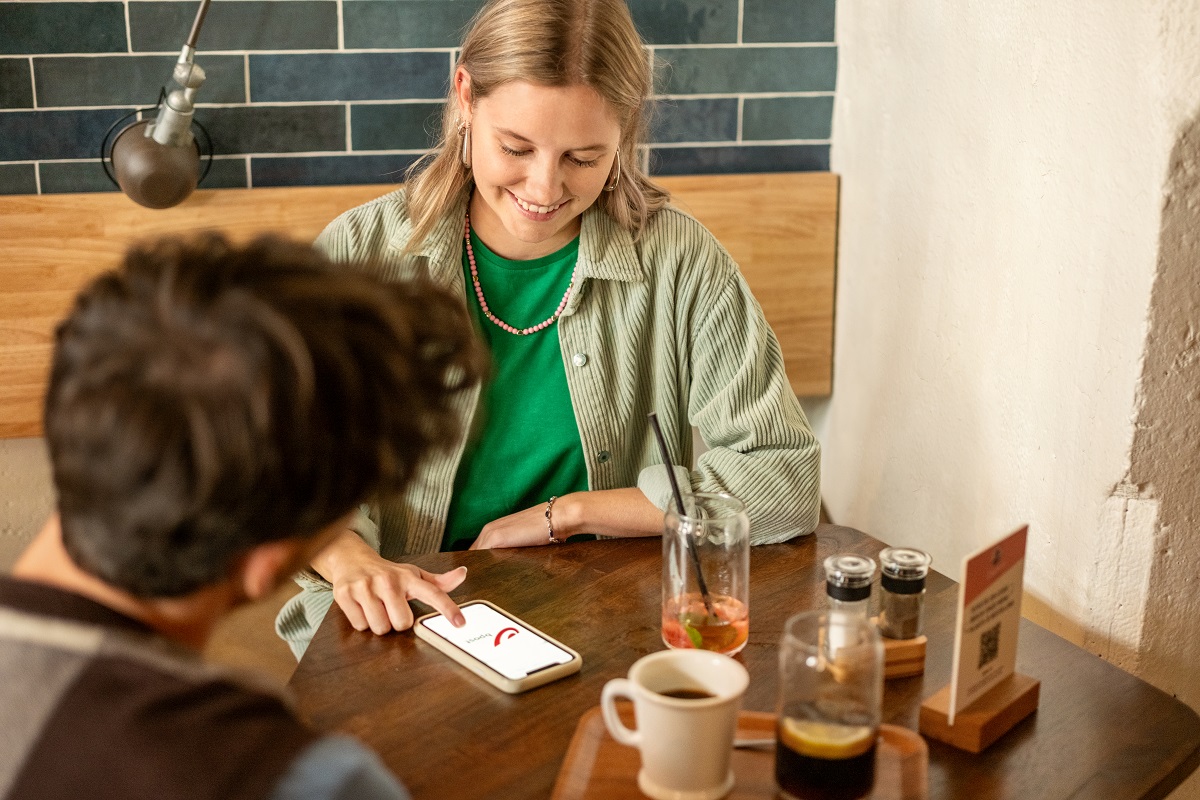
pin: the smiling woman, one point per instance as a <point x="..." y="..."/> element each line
<point x="599" y="303"/>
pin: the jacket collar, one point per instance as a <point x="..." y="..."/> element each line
<point x="606" y="250"/>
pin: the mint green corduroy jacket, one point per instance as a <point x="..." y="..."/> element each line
<point x="665" y="323"/>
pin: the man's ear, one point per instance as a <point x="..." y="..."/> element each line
<point x="462" y="92"/>
<point x="268" y="565"/>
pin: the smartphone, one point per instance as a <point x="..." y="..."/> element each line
<point x="506" y="652"/>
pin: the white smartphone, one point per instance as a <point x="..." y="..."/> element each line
<point x="506" y="652"/>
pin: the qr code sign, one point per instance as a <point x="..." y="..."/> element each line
<point x="989" y="645"/>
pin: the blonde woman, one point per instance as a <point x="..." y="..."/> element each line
<point x="599" y="303"/>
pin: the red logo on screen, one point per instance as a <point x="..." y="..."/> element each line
<point x="505" y="633"/>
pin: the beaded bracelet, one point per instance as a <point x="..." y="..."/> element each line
<point x="549" y="525"/>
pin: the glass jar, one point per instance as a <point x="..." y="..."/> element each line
<point x="830" y="706"/>
<point x="706" y="574"/>
<point x="848" y="580"/>
<point x="903" y="591"/>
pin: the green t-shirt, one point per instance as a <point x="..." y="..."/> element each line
<point x="525" y="443"/>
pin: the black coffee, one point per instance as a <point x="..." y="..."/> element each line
<point x="687" y="694"/>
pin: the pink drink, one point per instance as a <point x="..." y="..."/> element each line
<point x="686" y="624"/>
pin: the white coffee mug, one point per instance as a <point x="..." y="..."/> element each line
<point x="685" y="743"/>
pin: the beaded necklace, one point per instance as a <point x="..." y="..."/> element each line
<point x="487" y="312"/>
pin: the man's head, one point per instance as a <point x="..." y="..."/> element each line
<point x="207" y="398"/>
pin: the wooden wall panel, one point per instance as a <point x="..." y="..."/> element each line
<point x="780" y="228"/>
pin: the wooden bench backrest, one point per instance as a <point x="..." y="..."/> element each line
<point x="780" y="228"/>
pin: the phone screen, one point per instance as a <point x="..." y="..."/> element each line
<point x="499" y="641"/>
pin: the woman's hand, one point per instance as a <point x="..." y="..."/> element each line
<point x="374" y="592"/>
<point x="522" y="529"/>
<point x="608" y="512"/>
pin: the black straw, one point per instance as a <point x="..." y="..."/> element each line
<point x="666" y="457"/>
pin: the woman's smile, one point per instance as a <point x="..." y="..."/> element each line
<point x="537" y="213"/>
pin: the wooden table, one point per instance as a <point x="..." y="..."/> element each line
<point x="1099" y="732"/>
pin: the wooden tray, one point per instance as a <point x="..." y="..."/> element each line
<point x="597" y="767"/>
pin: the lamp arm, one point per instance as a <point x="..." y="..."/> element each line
<point x="174" y="122"/>
<point x="195" y="34"/>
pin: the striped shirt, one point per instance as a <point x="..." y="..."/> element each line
<point x="96" y="705"/>
<point x="665" y="323"/>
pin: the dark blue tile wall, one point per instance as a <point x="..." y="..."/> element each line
<point x="690" y="22"/>
<point x="130" y="80"/>
<point x="329" y="170"/>
<point x="36" y="28"/>
<point x="18" y="179"/>
<point x="275" y="129"/>
<point x="37" y="135"/>
<point x="747" y="70"/>
<point x="788" y="21"/>
<point x="349" y="76"/>
<point x="714" y="160"/>
<point x="707" y="120"/>
<point x="16" y="84"/>
<point x="407" y="23"/>
<point x="394" y="126"/>
<point x="263" y="25"/>
<point x="743" y="85"/>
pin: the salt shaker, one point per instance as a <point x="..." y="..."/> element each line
<point x="903" y="584"/>
<point x="848" y="583"/>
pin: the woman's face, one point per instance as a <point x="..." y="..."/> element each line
<point x="541" y="155"/>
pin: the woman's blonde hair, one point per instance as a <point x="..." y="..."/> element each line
<point x="553" y="43"/>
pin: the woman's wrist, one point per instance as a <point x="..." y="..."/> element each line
<point x="568" y="516"/>
<point x="348" y="545"/>
<point x="608" y="512"/>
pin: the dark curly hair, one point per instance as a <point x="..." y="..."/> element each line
<point x="205" y="398"/>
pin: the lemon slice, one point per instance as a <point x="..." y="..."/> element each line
<point x="827" y="740"/>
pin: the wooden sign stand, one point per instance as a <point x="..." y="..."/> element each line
<point x="903" y="657"/>
<point x="984" y="721"/>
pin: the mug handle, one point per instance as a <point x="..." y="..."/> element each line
<point x="618" y="687"/>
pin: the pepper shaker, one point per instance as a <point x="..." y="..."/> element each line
<point x="903" y="591"/>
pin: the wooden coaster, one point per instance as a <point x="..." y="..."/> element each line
<point x="984" y="721"/>
<point x="597" y="767"/>
<point x="903" y="657"/>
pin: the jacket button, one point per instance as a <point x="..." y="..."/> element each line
<point x="579" y="359"/>
<point x="603" y="456"/>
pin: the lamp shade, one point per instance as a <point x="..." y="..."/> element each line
<point x="154" y="175"/>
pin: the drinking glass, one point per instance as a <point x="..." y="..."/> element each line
<point x="830" y="691"/>
<point x="714" y="536"/>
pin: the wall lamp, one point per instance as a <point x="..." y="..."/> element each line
<point x="156" y="160"/>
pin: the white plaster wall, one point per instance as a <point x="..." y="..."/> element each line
<point x="1002" y="173"/>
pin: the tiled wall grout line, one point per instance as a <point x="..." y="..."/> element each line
<point x="201" y="52"/>
<point x="221" y="157"/>
<point x="747" y="46"/>
<point x="741" y="112"/>
<point x="128" y="30"/>
<point x="349" y="135"/>
<point x="249" y="174"/>
<point x="33" y="82"/>
<point x="747" y="143"/>
<point x="741" y="18"/>
<point x="406" y="101"/>
<point x="738" y="95"/>
<point x="397" y="101"/>
<point x="37" y="176"/>
<point x="341" y="27"/>
<point x="246" y="71"/>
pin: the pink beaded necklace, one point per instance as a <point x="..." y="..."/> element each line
<point x="487" y="312"/>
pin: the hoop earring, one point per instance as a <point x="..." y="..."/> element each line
<point x="464" y="132"/>
<point x="610" y="187"/>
